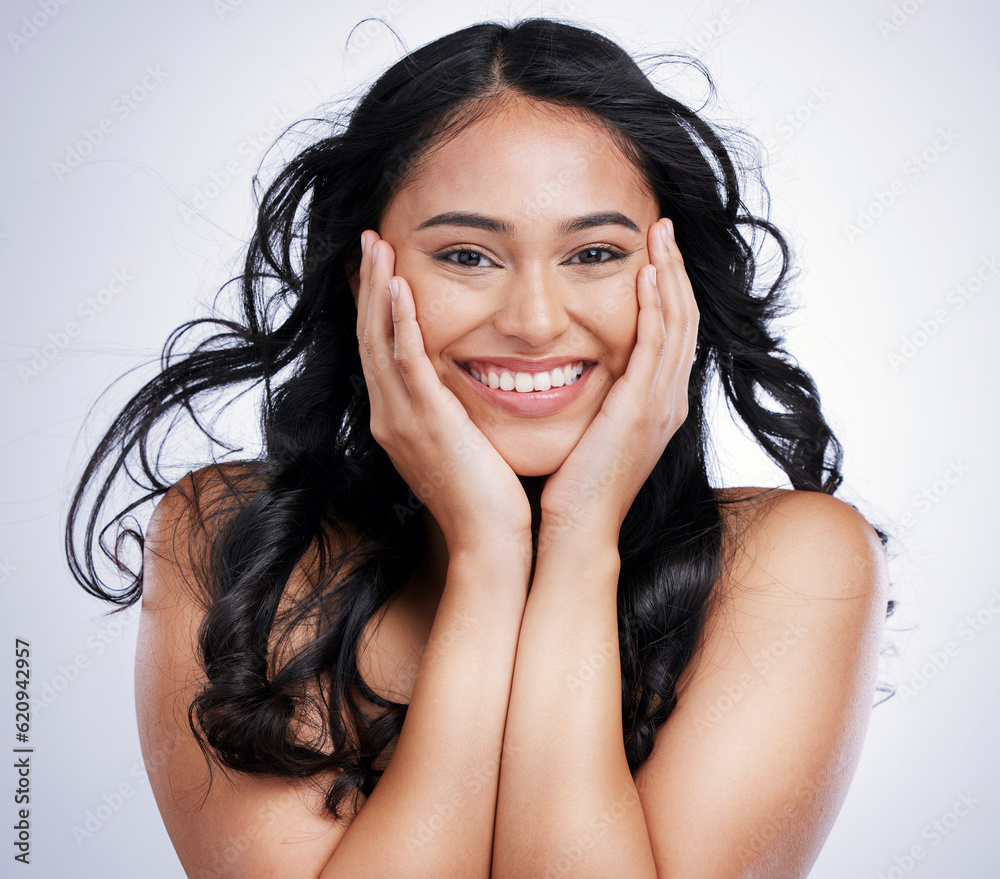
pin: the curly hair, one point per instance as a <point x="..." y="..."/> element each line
<point x="323" y="487"/>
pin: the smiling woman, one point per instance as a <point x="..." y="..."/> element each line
<point x="477" y="610"/>
<point x="537" y="298"/>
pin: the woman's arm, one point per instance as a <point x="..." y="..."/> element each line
<point x="750" y="770"/>
<point x="432" y="812"/>
<point x="750" y="792"/>
<point x="567" y="805"/>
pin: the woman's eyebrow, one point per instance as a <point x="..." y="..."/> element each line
<point x="504" y="227"/>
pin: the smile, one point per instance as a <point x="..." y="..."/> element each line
<point x="497" y="377"/>
<point x="528" y="392"/>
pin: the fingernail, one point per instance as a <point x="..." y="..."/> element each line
<point x="374" y="252"/>
<point x="652" y="275"/>
<point x="667" y="231"/>
<point x="393" y="288"/>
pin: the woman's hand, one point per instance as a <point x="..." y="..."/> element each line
<point x="452" y="468"/>
<point x="590" y="494"/>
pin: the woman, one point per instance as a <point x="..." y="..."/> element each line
<point x="476" y="609"/>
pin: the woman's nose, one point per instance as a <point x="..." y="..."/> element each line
<point x="533" y="308"/>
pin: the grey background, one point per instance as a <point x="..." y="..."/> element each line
<point x="845" y="95"/>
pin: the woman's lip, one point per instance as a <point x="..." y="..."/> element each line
<point x="532" y="403"/>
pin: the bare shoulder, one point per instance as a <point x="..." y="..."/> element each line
<point x="185" y="521"/>
<point x="772" y="709"/>
<point x="220" y="823"/>
<point x="803" y="542"/>
<point x="792" y="561"/>
<point x="190" y="516"/>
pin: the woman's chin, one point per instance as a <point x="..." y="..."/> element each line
<point x="532" y="461"/>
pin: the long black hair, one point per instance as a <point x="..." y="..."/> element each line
<point x="323" y="488"/>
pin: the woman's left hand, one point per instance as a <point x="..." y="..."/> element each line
<point x="590" y="494"/>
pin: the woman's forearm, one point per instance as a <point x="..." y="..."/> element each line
<point x="567" y="804"/>
<point x="432" y="812"/>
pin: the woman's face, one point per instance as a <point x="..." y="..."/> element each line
<point x="521" y="239"/>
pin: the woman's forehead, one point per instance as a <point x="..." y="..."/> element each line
<point x="524" y="163"/>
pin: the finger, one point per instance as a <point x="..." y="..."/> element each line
<point x="680" y="310"/>
<point x="651" y="337"/>
<point x="644" y="364"/>
<point x="681" y="317"/>
<point x="364" y="299"/>
<point x="364" y="279"/>
<point x="378" y="333"/>
<point x="409" y="354"/>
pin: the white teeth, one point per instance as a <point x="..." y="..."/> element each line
<point x="525" y="382"/>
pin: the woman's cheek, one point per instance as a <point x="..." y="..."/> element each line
<point x="435" y="300"/>
<point x="446" y="313"/>
<point x="614" y="320"/>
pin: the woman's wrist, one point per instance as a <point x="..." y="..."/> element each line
<point x="479" y="538"/>
<point x="577" y="555"/>
<point x="484" y="536"/>
<point x="577" y="537"/>
<point x="508" y="555"/>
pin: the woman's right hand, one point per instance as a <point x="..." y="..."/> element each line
<point x="451" y="466"/>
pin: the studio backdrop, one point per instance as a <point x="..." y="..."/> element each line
<point x="132" y="134"/>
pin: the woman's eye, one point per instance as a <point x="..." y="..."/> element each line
<point x="592" y="255"/>
<point x="465" y="257"/>
<point x="472" y="259"/>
